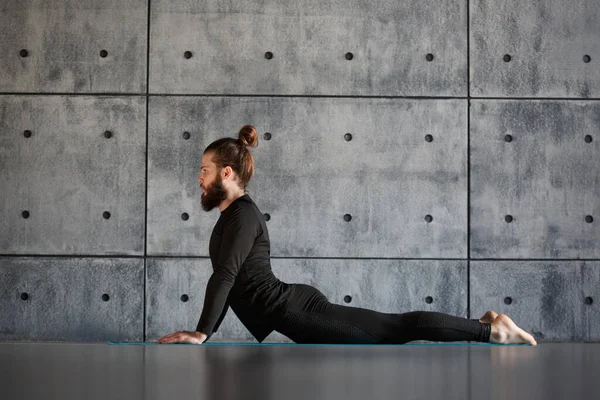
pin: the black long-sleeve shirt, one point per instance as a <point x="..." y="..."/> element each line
<point x="242" y="277"/>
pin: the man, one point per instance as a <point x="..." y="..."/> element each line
<point x="242" y="278"/>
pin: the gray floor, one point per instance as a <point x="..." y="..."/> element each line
<point x="105" y="372"/>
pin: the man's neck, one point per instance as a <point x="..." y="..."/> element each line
<point x="230" y="199"/>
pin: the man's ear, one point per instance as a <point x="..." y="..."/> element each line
<point x="227" y="172"/>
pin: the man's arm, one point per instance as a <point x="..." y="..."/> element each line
<point x="239" y="233"/>
<point x="216" y="328"/>
<point x="218" y="324"/>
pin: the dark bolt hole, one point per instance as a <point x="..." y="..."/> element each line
<point x="24" y="53"/>
<point x="428" y="299"/>
<point x="428" y="218"/>
<point x="187" y="55"/>
<point x="268" y="55"/>
<point x="185" y="216"/>
<point x="267" y="136"/>
<point x="587" y="58"/>
<point x="508" y="138"/>
<point x="429" y="57"/>
<point x="347" y="299"/>
<point x="429" y="138"/>
<point x="506" y="58"/>
<point x="106" y="215"/>
<point x="588" y="138"/>
<point x="589" y="300"/>
<point x="108" y="134"/>
<point x="508" y="218"/>
<point x="347" y="217"/>
<point x="184" y="297"/>
<point x="25" y="214"/>
<point x="27" y="133"/>
<point x="507" y="300"/>
<point x="589" y="219"/>
<point x="24" y="296"/>
<point x="349" y="56"/>
<point x="348" y="137"/>
<point x="267" y="216"/>
<point x="105" y="297"/>
<point x="186" y="135"/>
<point x="103" y="53"/>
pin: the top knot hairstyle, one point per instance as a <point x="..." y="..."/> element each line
<point x="234" y="153"/>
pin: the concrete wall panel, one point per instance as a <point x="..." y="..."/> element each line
<point x="64" y="40"/>
<point x="309" y="40"/>
<point x="547" y="178"/>
<point x="549" y="299"/>
<point x="381" y="285"/>
<point x="61" y="299"/>
<point x="546" y="41"/>
<point x="388" y="177"/>
<point x="58" y="165"/>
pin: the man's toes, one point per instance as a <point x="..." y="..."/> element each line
<point x="528" y="338"/>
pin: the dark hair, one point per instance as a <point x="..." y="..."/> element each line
<point x="233" y="152"/>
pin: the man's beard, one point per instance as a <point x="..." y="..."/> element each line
<point x="215" y="194"/>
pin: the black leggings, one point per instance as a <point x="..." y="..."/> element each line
<point x="319" y="321"/>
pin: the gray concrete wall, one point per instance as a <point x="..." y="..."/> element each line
<point x="471" y="177"/>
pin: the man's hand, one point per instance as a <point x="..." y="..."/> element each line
<point x="183" y="337"/>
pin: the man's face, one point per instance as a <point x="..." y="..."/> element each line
<point x="213" y="192"/>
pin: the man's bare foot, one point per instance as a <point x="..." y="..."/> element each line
<point x="505" y="331"/>
<point x="488" y="317"/>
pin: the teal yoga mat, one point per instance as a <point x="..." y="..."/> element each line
<point x="297" y="344"/>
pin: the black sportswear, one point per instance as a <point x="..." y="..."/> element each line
<point x="243" y="280"/>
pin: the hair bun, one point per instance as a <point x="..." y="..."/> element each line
<point x="248" y="136"/>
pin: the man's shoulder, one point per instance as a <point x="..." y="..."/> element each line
<point x="243" y="209"/>
<point x="244" y="204"/>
